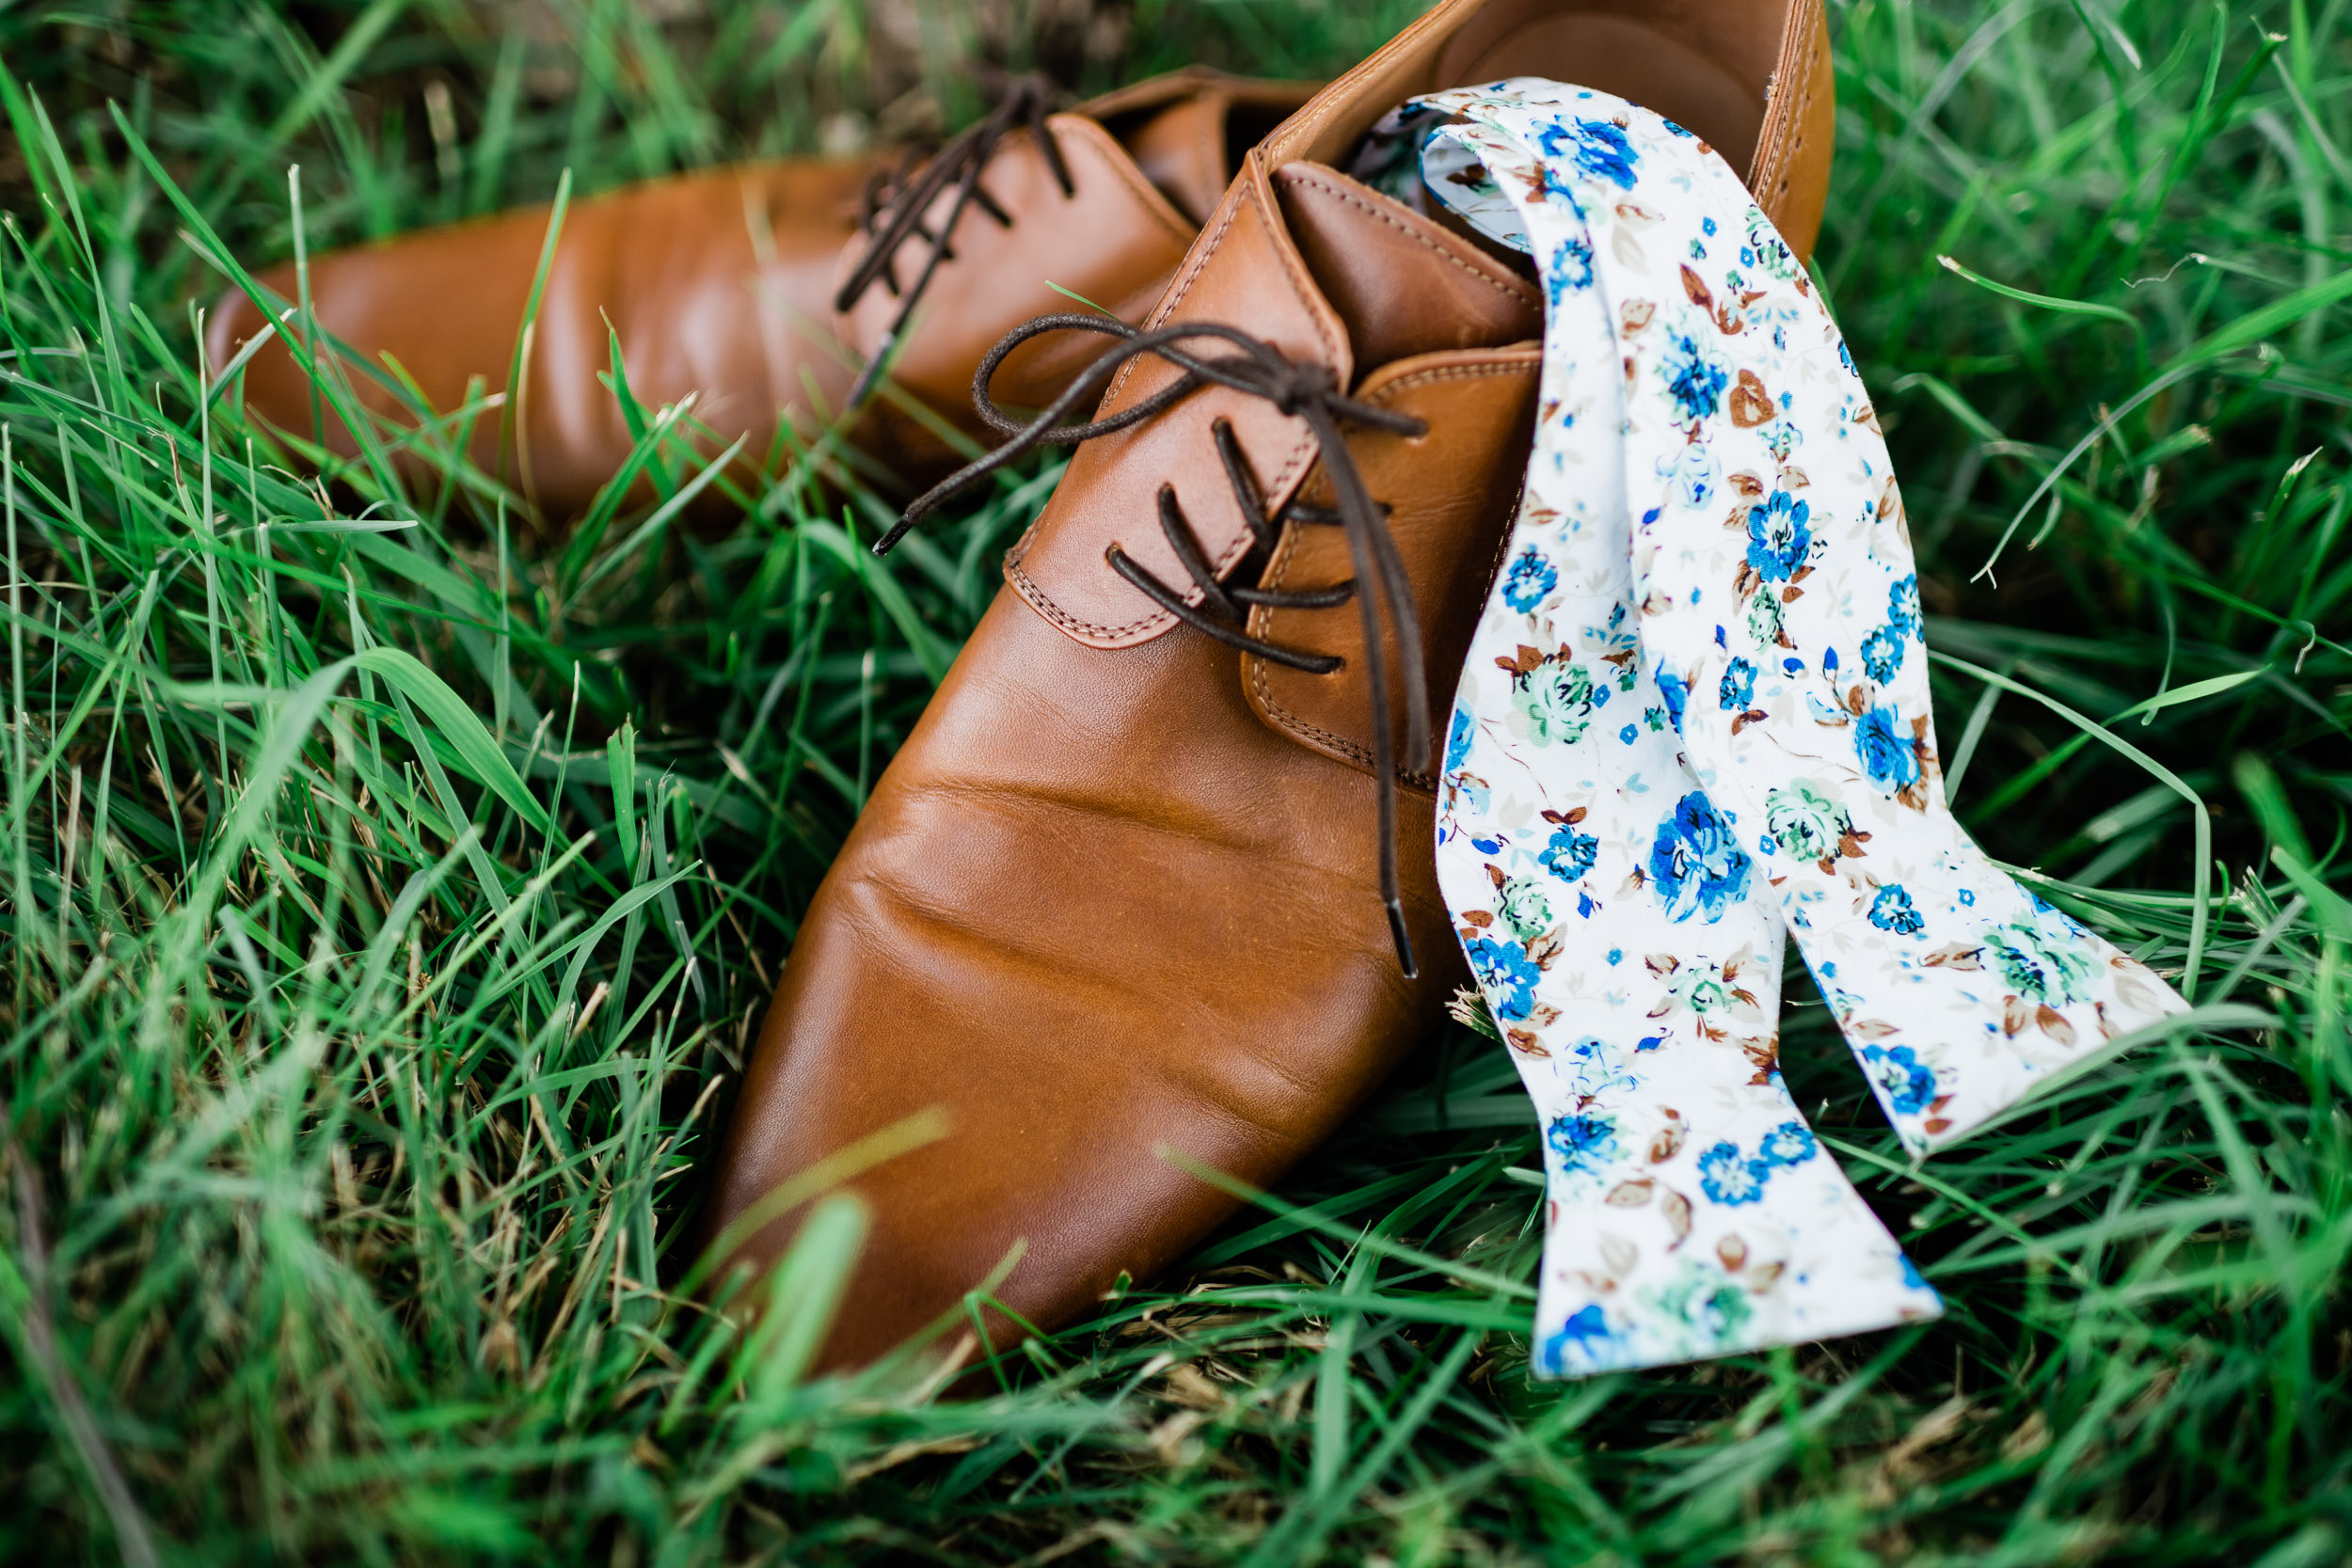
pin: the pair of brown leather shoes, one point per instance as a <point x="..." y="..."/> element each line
<point x="763" y="290"/>
<point x="1149" y="871"/>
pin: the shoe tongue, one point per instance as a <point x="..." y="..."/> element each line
<point x="1402" y="284"/>
<point x="1182" y="151"/>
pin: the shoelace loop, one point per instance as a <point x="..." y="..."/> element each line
<point x="1303" y="390"/>
<point x="895" y="205"/>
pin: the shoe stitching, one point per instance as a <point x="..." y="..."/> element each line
<point x="1788" y="147"/>
<point x="1259" y="686"/>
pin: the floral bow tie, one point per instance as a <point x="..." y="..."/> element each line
<point x="1695" y="718"/>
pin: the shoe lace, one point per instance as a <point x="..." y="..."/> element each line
<point x="894" y="205"/>
<point x="1306" y="391"/>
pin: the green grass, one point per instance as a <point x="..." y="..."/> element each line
<point x="387" y="906"/>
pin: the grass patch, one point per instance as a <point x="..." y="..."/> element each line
<point x="389" y="889"/>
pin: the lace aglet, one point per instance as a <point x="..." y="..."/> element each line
<point x="1404" y="943"/>
<point x="869" y="377"/>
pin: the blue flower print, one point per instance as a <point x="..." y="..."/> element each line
<point x="1738" y="687"/>
<point x="1587" y="1326"/>
<point x="1529" y="579"/>
<point x="1882" y="654"/>
<point x="1780" y="536"/>
<point x="1696" y="379"/>
<point x="1730" y="1180"/>
<point x="1570" y="854"/>
<point x="1457" y="739"/>
<point x="1693" y="474"/>
<point x="1902" y="602"/>
<point x="1583" y="1143"/>
<point x="1696" y="863"/>
<point x="1677" y="695"/>
<point x="1789" y="1144"/>
<point x="1888" y="759"/>
<point x="1572" y="267"/>
<point x="1907" y="1083"/>
<point x="1599" y="149"/>
<point x="1506" y="973"/>
<point x="1892" y="910"/>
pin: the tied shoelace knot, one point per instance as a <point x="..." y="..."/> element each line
<point x="895" y="203"/>
<point x="1214" y="604"/>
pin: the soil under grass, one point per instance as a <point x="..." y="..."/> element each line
<point x="359" y="1089"/>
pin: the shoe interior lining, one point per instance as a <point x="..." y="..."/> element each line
<point x="1636" y="62"/>
<point x="1701" y="63"/>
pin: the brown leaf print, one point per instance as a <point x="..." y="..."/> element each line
<point x="1751" y="405"/>
<point x="1635" y="314"/>
<point x="2054" y="1024"/>
<point x="1524" y="1042"/>
<point x="1478" y="918"/>
<point x="1696" y="288"/>
<point x="2016" y="1016"/>
<point x="1733" y="1252"/>
<point x="1677" y="1211"/>
<point x="1631" y="1195"/>
<point x="1667" y="1140"/>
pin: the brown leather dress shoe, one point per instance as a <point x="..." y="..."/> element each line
<point x="1123" y="887"/>
<point x="744" y="286"/>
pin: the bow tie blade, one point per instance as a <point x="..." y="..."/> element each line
<point x="1695" y="721"/>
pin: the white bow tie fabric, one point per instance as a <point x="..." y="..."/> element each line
<point x="1695" y="716"/>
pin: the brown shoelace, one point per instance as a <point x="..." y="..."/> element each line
<point x="1222" y="609"/>
<point x="895" y="205"/>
